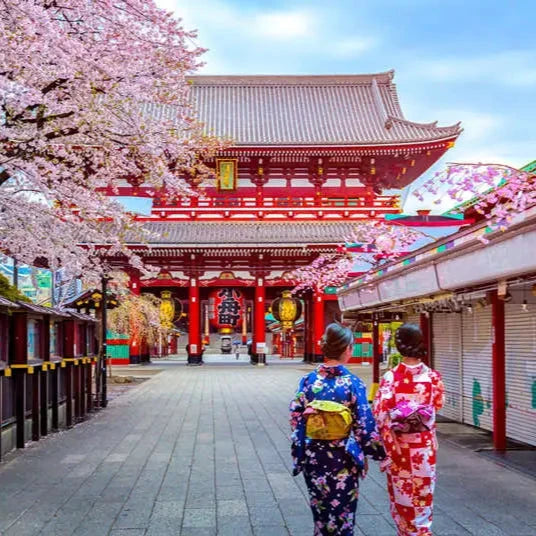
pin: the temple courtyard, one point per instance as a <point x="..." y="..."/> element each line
<point x="205" y="451"/>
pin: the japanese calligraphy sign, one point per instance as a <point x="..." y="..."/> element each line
<point x="226" y="172"/>
<point x="226" y="308"/>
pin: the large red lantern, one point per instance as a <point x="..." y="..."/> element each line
<point x="226" y="309"/>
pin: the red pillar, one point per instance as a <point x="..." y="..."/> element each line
<point x="376" y="352"/>
<point x="498" y="373"/>
<point x="426" y="328"/>
<point x="173" y="344"/>
<point x="194" y="329"/>
<point x="18" y="350"/>
<point x="259" y="324"/>
<point x="19" y="346"/>
<point x="318" y="326"/>
<point x="69" y="341"/>
<point x="134" y="345"/>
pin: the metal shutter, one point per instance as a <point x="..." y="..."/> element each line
<point x="476" y="367"/>
<point x="521" y="373"/>
<point x="447" y="360"/>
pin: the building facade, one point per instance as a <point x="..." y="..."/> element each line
<point x="308" y="157"/>
<point x="476" y="304"/>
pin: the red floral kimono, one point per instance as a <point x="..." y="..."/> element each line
<point x="411" y="462"/>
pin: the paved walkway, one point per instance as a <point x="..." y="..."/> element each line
<point x="204" y="451"/>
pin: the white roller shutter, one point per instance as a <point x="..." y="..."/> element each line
<point x="521" y="373"/>
<point x="447" y="359"/>
<point x="476" y="367"/>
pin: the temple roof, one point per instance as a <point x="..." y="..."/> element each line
<point x="278" y="234"/>
<point x="309" y="110"/>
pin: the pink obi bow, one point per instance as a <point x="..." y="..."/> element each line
<point x="409" y="418"/>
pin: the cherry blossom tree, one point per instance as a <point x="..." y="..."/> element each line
<point x="325" y="271"/>
<point x="138" y="315"/>
<point x="92" y="94"/>
<point x="497" y="191"/>
<point x="376" y="242"/>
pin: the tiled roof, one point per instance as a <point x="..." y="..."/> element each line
<point x="308" y="110"/>
<point x="198" y="234"/>
<point x="40" y="309"/>
<point x="6" y="303"/>
<point x="80" y="316"/>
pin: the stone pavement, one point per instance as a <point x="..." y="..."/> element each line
<point x="204" y="451"/>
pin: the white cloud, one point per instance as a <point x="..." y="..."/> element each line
<point x="256" y="40"/>
<point x="509" y="68"/>
<point x="284" y="25"/>
<point x="352" y="46"/>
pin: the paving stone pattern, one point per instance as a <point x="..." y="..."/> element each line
<point x="204" y="451"/>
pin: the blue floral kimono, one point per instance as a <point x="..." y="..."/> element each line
<point x="332" y="468"/>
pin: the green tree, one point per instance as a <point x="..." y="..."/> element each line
<point x="8" y="291"/>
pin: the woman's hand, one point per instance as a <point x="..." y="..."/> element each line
<point x="384" y="464"/>
<point x="364" y="471"/>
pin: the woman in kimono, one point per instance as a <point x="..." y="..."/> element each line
<point x="405" y="408"/>
<point x="332" y="456"/>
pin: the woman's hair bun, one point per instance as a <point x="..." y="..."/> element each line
<point x="409" y="341"/>
<point x="335" y="340"/>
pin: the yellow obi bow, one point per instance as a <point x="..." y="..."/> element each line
<point x="327" y="420"/>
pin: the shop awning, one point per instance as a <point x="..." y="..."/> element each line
<point x="457" y="262"/>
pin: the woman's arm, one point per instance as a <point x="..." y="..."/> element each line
<point x="438" y="397"/>
<point x="297" y="424"/>
<point x="297" y="405"/>
<point x="383" y="403"/>
<point x="364" y="426"/>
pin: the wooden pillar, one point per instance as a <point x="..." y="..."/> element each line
<point x="83" y="383"/>
<point x="69" y="349"/>
<point x="19" y="385"/>
<point x="194" y="325"/>
<point x="55" y="397"/>
<point x="426" y="328"/>
<point x="77" y="391"/>
<point x="498" y="372"/>
<point x="36" y="399"/>
<point x="259" y="323"/>
<point x="44" y="387"/>
<point x="89" y="387"/>
<point x="68" y="379"/>
<point x="376" y="356"/>
<point x="318" y="326"/>
<point x="19" y="347"/>
<point x="69" y="340"/>
<point x="81" y="373"/>
<point x="18" y="351"/>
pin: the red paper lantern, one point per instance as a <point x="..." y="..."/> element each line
<point x="226" y="309"/>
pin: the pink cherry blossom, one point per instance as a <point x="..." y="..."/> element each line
<point x="500" y="191"/>
<point x="380" y="241"/>
<point x="92" y="94"/>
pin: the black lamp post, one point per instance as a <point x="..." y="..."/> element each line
<point x="104" y="347"/>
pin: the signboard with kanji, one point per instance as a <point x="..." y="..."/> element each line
<point x="226" y="172"/>
<point x="226" y="309"/>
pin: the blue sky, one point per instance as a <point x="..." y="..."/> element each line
<point x="470" y="61"/>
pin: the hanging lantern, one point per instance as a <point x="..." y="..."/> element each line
<point x="167" y="309"/>
<point x="286" y="310"/>
<point x="226" y="309"/>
